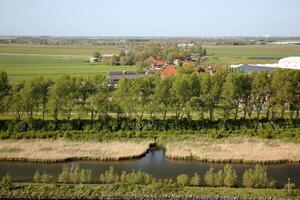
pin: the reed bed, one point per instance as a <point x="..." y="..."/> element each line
<point x="232" y="149"/>
<point x="47" y="150"/>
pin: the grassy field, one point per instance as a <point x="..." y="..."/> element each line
<point x="155" y="191"/>
<point x="24" y="62"/>
<point x="231" y="149"/>
<point x="249" y="54"/>
<point x="60" y="150"/>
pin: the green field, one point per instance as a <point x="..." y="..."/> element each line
<point x="26" y="61"/>
<point x="250" y="54"/>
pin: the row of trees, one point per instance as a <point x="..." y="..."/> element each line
<point x="232" y="94"/>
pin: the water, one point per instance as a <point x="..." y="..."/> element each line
<point x="153" y="162"/>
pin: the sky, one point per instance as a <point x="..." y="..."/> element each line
<point x="150" y="17"/>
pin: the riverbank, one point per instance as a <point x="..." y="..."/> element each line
<point x="206" y="149"/>
<point x="231" y="149"/>
<point x="154" y="191"/>
<point x="48" y="150"/>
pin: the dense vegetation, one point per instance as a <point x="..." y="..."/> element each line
<point x="231" y="94"/>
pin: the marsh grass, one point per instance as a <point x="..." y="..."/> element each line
<point x="62" y="150"/>
<point x="232" y="149"/>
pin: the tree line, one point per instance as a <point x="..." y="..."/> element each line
<point x="226" y="95"/>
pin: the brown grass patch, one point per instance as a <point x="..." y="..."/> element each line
<point x="60" y="150"/>
<point x="233" y="149"/>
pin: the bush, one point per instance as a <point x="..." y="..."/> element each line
<point x="46" y="178"/>
<point x="230" y="177"/>
<point x="6" y="183"/>
<point x="195" y="180"/>
<point x="182" y="179"/>
<point x="37" y="177"/>
<point x="209" y="177"/>
<point x="257" y="178"/>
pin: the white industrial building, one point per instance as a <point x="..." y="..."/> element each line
<point x="285" y="63"/>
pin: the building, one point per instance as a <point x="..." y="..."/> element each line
<point x="114" y="77"/>
<point x="156" y="64"/>
<point x="94" y="59"/>
<point x="285" y="63"/>
<point x="168" y="71"/>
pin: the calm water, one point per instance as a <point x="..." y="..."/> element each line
<point x="154" y="162"/>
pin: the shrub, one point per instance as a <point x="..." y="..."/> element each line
<point x="257" y="178"/>
<point x="219" y="178"/>
<point x="64" y="176"/>
<point x="182" y="179"/>
<point x="85" y="175"/>
<point x="6" y="183"/>
<point x="46" y="178"/>
<point x="209" y="177"/>
<point x="37" y="177"/>
<point x="230" y="177"/>
<point x="109" y="176"/>
<point x="195" y="180"/>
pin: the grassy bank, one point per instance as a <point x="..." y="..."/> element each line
<point x="207" y="149"/>
<point x="231" y="149"/>
<point x="62" y="150"/>
<point x="153" y="191"/>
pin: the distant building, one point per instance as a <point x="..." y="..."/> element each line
<point x="94" y="59"/>
<point x="114" y="77"/>
<point x="156" y="64"/>
<point x="285" y="63"/>
<point x="168" y="71"/>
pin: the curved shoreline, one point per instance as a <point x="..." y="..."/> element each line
<point x="58" y="151"/>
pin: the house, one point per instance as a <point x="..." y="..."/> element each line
<point x="168" y="71"/>
<point x="94" y="59"/>
<point x="156" y="64"/>
<point x="194" y="57"/>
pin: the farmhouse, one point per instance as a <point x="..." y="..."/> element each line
<point x="285" y="63"/>
<point x="156" y="64"/>
<point x="168" y="71"/>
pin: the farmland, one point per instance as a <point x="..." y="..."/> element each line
<point x="26" y="61"/>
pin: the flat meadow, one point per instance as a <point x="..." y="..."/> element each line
<point x="23" y="62"/>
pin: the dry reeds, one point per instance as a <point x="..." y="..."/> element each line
<point x="233" y="149"/>
<point x="62" y="150"/>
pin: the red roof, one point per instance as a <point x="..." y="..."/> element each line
<point x="156" y="62"/>
<point x="168" y="71"/>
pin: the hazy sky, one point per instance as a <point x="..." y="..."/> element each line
<point x="150" y="17"/>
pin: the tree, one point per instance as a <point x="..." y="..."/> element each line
<point x="230" y="177"/>
<point x="37" y="177"/>
<point x="163" y="94"/>
<point x="97" y="54"/>
<point x="195" y="180"/>
<point x="209" y="177"/>
<point x="219" y="178"/>
<point x="180" y="95"/>
<point x="14" y="102"/>
<point x="4" y="89"/>
<point x="281" y="88"/>
<point x="260" y="91"/>
<point x="211" y="90"/>
<point x="182" y="179"/>
<point x="257" y="178"/>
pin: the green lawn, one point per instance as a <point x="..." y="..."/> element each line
<point x="25" y="62"/>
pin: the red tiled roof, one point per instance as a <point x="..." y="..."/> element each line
<point x="168" y="71"/>
<point x="156" y="62"/>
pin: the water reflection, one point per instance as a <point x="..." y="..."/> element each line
<point x="154" y="162"/>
